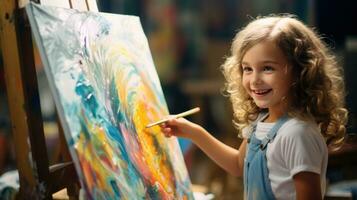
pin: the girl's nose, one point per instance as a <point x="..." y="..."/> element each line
<point x="256" y="79"/>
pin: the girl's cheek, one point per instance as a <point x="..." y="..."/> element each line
<point x="246" y="87"/>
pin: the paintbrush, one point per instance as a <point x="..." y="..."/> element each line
<point x="183" y="114"/>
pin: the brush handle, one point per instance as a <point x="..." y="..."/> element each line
<point x="183" y="114"/>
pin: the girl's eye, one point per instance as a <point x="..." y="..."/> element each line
<point x="246" y="69"/>
<point x="268" y="68"/>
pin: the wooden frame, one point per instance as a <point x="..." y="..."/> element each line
<point x="38" y="180"/>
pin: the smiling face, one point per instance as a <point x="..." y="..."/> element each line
<point x="267" y="76"/>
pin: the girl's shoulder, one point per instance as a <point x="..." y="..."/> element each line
<point x="295" y="127"/>
<point x="304" y="136"/>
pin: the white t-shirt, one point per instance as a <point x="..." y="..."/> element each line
<point x="297" y="147"/>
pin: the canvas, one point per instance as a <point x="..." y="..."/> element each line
<point x="106" y="91"/>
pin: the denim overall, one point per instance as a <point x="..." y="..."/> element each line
<point x="256" y="176"/>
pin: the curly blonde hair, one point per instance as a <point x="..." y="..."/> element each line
<point x="318" y="91"/>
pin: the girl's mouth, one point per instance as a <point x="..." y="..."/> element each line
<point x="261" y="92"/>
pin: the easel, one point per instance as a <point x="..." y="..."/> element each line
<point x="38" y="180"/>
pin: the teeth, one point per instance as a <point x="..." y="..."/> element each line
<point x="260" y="91"/>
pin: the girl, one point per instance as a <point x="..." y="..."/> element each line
<point x="287" y="93"/>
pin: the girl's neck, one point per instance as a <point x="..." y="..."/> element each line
<point x="273" y="116"/>
<point x="277" y="111"/>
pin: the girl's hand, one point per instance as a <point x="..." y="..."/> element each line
<point x="225" y="156"/>
<point x="180" y="127"/>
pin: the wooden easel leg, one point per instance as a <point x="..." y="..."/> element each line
<point x="73" y="187"/>
<point x="24" y="105"/>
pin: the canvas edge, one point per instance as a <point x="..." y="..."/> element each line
<point x="60" y="111"/>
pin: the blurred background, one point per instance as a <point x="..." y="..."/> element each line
<point x="189" y="41"/>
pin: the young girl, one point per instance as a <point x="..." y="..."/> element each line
<point x="287" y="93"/>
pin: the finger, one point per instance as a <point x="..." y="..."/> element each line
<point x="167" y="134"/>
<point x="166" y="130"/>
<point x="163" y="125"/>
<point x="172" y="122"/>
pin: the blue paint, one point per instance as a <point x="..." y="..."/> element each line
<point x="115" y="188"/>
<point x="86" y="92"/>
<point x="115" y="102"/>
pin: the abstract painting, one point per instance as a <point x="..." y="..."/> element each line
<point x="106" y="90"/>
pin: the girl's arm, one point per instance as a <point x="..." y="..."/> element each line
<point x="225" y="156"/>
<point x="307" y="185"/>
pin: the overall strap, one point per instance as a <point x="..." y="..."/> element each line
<point x="272" y="133"/>
<point x="253" y="126"/>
